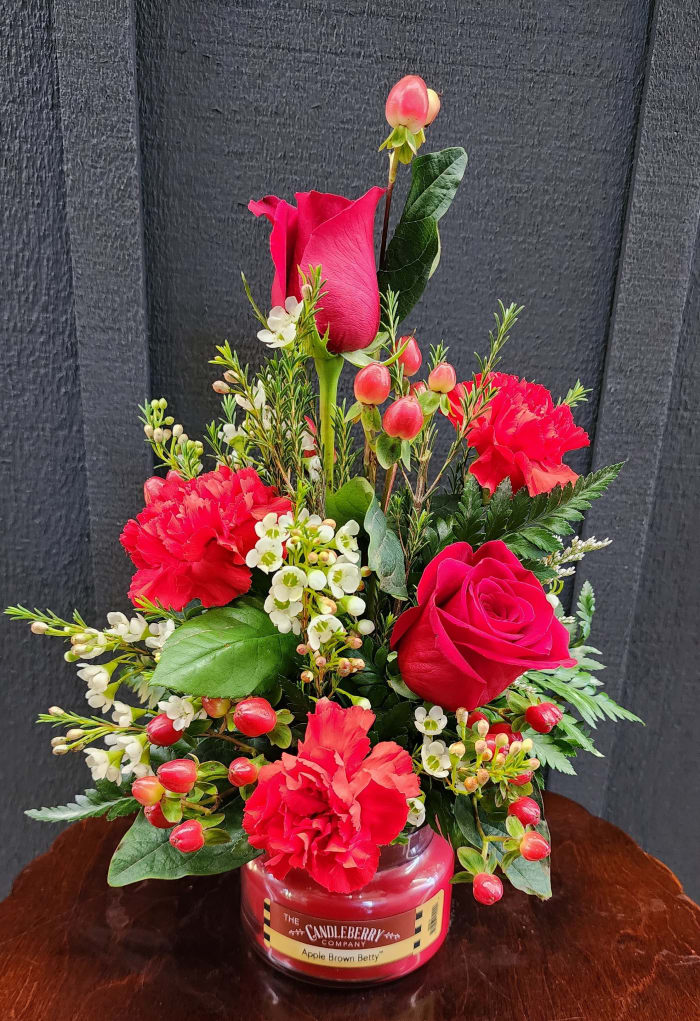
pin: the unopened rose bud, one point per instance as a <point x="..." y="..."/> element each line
<point x="457" y="749"/>
<point x="148" y="429"/>
<point x="482" y="728"/>
<point x="482" y="777"/>
<point x="219" y="387"/>
<point x="75" y="734"/>
<point x="302" y="649"/>
<point x="56" y="711"/>
<point x="306" y="291"/>
<point x="38" y="627"/>
<point x="59" y="749"/>
<point x="306" y="677"/>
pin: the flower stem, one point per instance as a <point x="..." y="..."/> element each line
<point x="393" y="168"/>
<point x="388" y="486"/>
<point x="328" y="368"/>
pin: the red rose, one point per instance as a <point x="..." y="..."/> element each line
<point x="190" y="540"/>
<point x="327" y="808"/>
<point x="481" y="621"/>
<point x="336" y="234"/>
<point x="522" y="435"/>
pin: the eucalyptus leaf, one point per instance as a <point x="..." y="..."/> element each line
<point x="384" y="555"/>
<point x="225" y="653"/>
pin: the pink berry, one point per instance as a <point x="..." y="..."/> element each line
<point x="418" y="388"/>
<point x="154" y="814"/>
<point x="410" y="358"/>
<point x="403" y="418"/>
<point x="522" y="779"/>
<point x="178" y="775"/>
<point x="148" y="790"/>
<point x="373" y="384"/>
<point x="254" y="716"/>
<point x="241" y="772"/>
<point x="408" y="103"/>
<point x="160" y="731"/>
<point x="487" y="888"/>
<point x="526" y="810"/>
<point x="188" y="836"/>
<point x="216" y="708"/>
<point x="433" y="106"/>
<point x="533" y="846"/>
<point x="543" y="717"/>
<point x="443" y="378"/>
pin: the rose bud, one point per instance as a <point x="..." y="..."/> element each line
<point x="373" y="384"/>
<point x="148" y="790"/>
<point x="403" y="418"/>
<point x="410" y="358"/>
<point x="487" y="889"/>
<point x="408" y="103"/>
<point x="241" y="772"/>
<point x="160" y="731"/>
<point x="533" y="846"/>
<point x="433" y="106"/>
<point x="543" y="717"/>
<point x="188" y="836"/>
<point x="254" y="716"/>
<point x="216" y="708"/>
<point x="443" y="378"/>
<point x="178" y="775"/>
<point x="154" y="815"/>
<point x="526" y="810"/>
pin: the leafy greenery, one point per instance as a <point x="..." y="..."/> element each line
<point x="413" y="253"/>
<point x="106" y="799"/>
<point x="384" y="555"/>
<point x="351" y="501"/>
<point x="145" y="852"/>
<point x="225" y="653"/>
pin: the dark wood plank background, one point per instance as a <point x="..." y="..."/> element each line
<point x="135" y="133"/>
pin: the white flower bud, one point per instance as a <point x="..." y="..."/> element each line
<point x="306" y="291"/>
<point x="59" y="749"/>
<point x="75" y="734"/>
<point x="56" y="710"/>
<point x="482" y="728"/>
<point x="57" y="740"/>
<point x="167" y="433"/>
<point x="365" y="627"/>
<point x="219" y="387"/>
<point x="158" y="434"/>
<point x="177" y="431"/>
<point x="38" y="627"/>
<point x="354" y="605"/>
<point x="182" y="439"/>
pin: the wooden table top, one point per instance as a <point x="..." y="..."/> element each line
<point x="619" y="940"/>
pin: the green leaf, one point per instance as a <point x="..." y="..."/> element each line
<point x="585" y="609"/>
<point x="145" y="852"/>
<point x="413" y="253"/>
<point x="384" y="555"/>
<point x="225" y="653"/>
<point x="397" y="683"/>
<point x="106" y="799"/>
<point x="280" y="735"/>
<point x="471" y="860"/>
<point x="462" y="877"/>
<point x="551" y="753"/>
<point x="388" y="450"/>
<point x="350" y="502"/>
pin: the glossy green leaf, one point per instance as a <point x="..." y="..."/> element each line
<point x="350" y="502"/>
<point x="145" y="852"/>
<point x="225" y="653"/>
<point x="413" y="253"/>
<point x="384" y="555"/>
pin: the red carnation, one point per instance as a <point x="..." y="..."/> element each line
<point x="522" y="435"/>
<point x="327" y="808"/>
<point x="482" y="620"/>
<point x="190" y="540"/>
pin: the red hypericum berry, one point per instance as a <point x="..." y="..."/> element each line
<point x="148" y="790"/>
<point x="416" y="389"/>
<point x="526" y="810"/>
<point x="188" y="836"/>
<point x="433" y="106"/>
<point x="216" y="707"/>
<point x="533" y="846"/>
<point x="410" y="358"/>
<point x="254" y="716"/>
<point x="443" y="378"/>
<point x="241" y="772"/>
<point x="160" y="731"/>
<point x="487" y="889"/>
<point x="373" y="384"/>
<point x="474" y="716"/>
<point x="408" y="103"/>
<point x="543" y="717"/>
<point x="403" y="418"/>
<point x="178" y="775"/>
<point x="505" y="728"/>
<point x="154" y="814"/>
<point x="521" y="780"/>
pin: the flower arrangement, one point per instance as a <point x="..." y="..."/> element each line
<point x="339" y="636"/>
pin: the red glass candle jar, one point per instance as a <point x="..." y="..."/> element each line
<point x="389" y="928"/>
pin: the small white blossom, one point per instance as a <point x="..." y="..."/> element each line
<point x="365" y="627"/>
<point x="180" y="711"/>
<point x="159" y="633"/>
<point x="122" y="714"/>
<point x="93" y="644"/>
<point x="343" y="577"/>
<point x="129" y="630"/>
<point x="96" y="677"/>
<point x="274" y="526"/>
<point x="316" y="580"/>
<point x="101" y="764"/>
<point x="346" y="542"/>
<point x="284" y="614"/>
<point x="322" y="628"/>
<point x="433" y="722"/>
<point x="281" y="324"/>
<point x="259" y="399"/>
<point x="354" y="605"/>
<point x="288" y="584"/>
<point x="267" y="555"/>
<point x="435" y="757"/>
<point x="313" y="466"/>
<point x="101" y="698"/>
<point x="416" y="812"/>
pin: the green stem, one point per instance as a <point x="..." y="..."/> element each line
<point x="393" y="168"/>
<point x="328" y="368"/>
